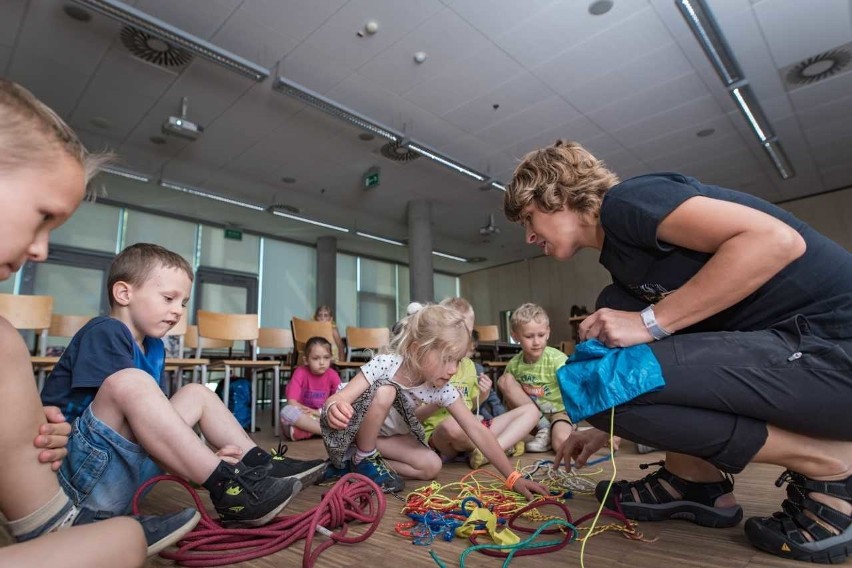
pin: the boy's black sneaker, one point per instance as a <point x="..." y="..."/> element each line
<point x="308" y="472"/>
<point x="253" y="497"/>
<point x="161" y="531"/>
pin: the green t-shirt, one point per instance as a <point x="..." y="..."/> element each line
<point x="539" y="379"/>
<point x="467" y="383"/>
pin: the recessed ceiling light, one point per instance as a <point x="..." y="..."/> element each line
<point x="100" y="122"/>
<point x="77" y="13"/>
<point x="704" y="133"/>
<point x="288" y="179"/>
<point x="158" y="140"/>
<point x="600" y="7"/>
<point x="366" y="136"/>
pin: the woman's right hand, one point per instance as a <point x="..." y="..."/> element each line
<point x="339" y="413"/>
<point x="579" y="446"/>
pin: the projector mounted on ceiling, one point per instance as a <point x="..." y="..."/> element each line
<point x="181" y="126"/>
<point x="490" y="228"/>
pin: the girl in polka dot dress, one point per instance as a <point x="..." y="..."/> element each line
<point x="376" y="409"/>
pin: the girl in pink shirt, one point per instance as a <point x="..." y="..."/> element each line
<point x="307" y="390"/>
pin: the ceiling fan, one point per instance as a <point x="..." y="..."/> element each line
<point x="490" y="228"/>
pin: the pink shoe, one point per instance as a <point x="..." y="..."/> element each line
<point x="296" y="434"/>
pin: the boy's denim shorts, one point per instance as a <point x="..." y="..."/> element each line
<point x="103" y="470"/>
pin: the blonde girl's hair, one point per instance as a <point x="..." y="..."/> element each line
<point x="459" y="304"/>
<point x="432" y="328"/>
<point x="564" y="175"/>
<point x="32" y="132"/>
<point x="326" y="308"/>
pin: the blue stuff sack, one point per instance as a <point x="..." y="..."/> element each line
<point x="239" y="395"/>
<point x="596" y="378"/>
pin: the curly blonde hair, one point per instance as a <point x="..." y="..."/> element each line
<point x="564" y="175"/>
<point x="433" y="327"/>
<point x="31" y="131"/>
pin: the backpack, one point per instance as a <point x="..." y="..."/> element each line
<point x="239" y="393"/>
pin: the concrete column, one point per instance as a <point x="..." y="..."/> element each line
<point x="420" y="250"/>
<point x="327" y="272"/>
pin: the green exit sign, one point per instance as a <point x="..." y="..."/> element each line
<point x="372" y="178"/>
<point x="234" y="234"/>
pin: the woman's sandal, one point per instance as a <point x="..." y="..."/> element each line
<point x="694" y="503"/>
<point x="786" y="532"/>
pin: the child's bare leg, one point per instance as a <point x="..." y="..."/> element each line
<point x="308" y="424"/>
<point x="409" y="457"/>
<point x="513" y="394"/>
<point x="449" y="438"/>
<point x="511" y="427"/>
<point x="105" y="544"/>
<point x="131" y="403"/>
<point x="378" y="410"/>
<point x="26" y="484"/>
<point x="197" y="404"/>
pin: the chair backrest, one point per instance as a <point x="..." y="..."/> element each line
<point x="366" y="338"/>
<point x="180" y="327"/>
<point x="275" y="338"/>
<point x="234" y="327"/>
<point x="66" y="326"/>
<point x="487" y="332"/>
<point x="567" y="346"/>
<point x="29" y="312"/>
<point x="191" y="340"/>
<point x="306" y="329"/>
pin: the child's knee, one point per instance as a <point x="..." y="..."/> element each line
<point x="384" y="397"/>
<point x="431" y="466"/>
<point x="127" y="382"/>
<point x="289" y="414"/>
<point x="450" y="430"/>
<point x="505" y="381"/>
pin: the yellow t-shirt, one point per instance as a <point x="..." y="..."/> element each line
<point x="466" y="382"/>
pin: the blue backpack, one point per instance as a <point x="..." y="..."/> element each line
<point x="239" y="403"/>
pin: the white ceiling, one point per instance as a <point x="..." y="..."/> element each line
<point x="632" y="85"/>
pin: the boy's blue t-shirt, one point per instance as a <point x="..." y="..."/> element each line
<point x="102" y="347"/>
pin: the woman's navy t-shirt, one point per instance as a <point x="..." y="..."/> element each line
<point x="817" y="285"/>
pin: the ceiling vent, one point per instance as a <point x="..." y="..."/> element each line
<point x="399" y="151"/>
<point x="818" y="67"/>
<point x="152" y="49"/>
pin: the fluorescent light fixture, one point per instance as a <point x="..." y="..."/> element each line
<point x="451" y="257"/>
<point x="700" y="19"/>
<point x="497" y="185"/>
<point x="201" y="193"/>
<point x="131" y="16"/>
<point x="381" y="239"/>
<point x="751" y="110"/>
<point x="432" y="155"/>
<point x="129" y="174"/>
<point x="779" y="158"/>
<point x="310" y="221"/>
<point x="328" y="106"/>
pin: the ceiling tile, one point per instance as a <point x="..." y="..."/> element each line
<point x="13" y="12"/>
<point x="246" y="35"/>
<point x="198" y="17"/>
<point x="795" y="30"/>
<point x="695" y="111"/>
<point x="312" y="68"/>
<point x="526" y="123"/>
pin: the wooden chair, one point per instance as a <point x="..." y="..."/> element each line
<point x="176" y="366"/>
<point x="238" y="327"/>
<point x="567" y="346"/>
<point x="60" y="326"/>
<point x="361" y="338"/>
<point x="306" y="329"/>
<point x="279" y="346"/>
<point x="487" y="332"/>
<point x="31" y="313"/>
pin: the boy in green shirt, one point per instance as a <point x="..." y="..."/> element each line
<point x="531" y="375"/>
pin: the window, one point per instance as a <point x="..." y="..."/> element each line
<point x="289" y="283"/>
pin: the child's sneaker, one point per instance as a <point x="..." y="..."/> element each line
<point x="541" y="442"/>
<point x="307" y="472"/>
<point x="376" y="469"/>
<point x="332" y="474"/>
<point x="253" y="497"/>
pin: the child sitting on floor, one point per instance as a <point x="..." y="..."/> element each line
<point x="309" y="387"/>
<point x="444" y="433"/>
<point x="376" y="410"/>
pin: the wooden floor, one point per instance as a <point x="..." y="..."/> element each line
<point x="679" y="543"/>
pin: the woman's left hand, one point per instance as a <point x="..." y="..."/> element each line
<point x="615" y="328"/>
<point x="527" y="487"/>
<point x="53" y="437"/>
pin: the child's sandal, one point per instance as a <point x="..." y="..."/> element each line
<point x="786" y="532"/>
<point x="655" y="503"/>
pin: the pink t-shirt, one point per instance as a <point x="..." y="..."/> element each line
<point x="312" y="390"/>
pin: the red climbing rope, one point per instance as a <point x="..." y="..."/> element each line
<point x="353" y="498"/>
